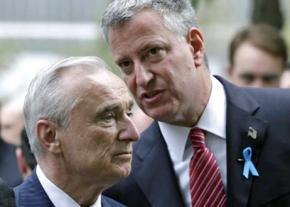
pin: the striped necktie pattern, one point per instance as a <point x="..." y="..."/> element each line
<point x="206" y="185"/>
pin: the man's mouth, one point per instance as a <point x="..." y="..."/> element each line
<point x="151" y="97"/>
<point x="123" y="155"/>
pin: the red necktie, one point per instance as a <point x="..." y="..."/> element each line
<point x="206" y="185"/>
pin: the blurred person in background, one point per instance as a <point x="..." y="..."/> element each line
<point x="77" y="118"/>
<point x="25" y="157"/>
<point x="257" y="56"/>
<point x="7" y="198"/>
<point x="285" y="79"/>
<point x="12" y="121"/>
<point x="9" y="170"/>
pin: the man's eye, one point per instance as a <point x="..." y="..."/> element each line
<point x="270" y="78"/>
<point x="247" y="78"/>
<point x="156" y="53"/>
<point x="108" y="117"/>
<point x="126" y="66"/>
<point x="130" y="113"/>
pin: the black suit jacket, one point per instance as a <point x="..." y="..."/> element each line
<point x="31" y="194"/>
<point x="9" y="170"/>
<point x="153" y="181"/>
<point x="7" y="198"/>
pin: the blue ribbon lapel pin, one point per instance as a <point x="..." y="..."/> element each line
<point x="249" y="166"/>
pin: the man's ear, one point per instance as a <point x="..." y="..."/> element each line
<point x="47" y="136"/>
<point x="195" y="39"/>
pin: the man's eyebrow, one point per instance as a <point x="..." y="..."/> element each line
<point x="271" y="75"/>
<point x="113" y="107"/>
<point x="148" y="46"/>
<point x="247" y="74"/>
<point x="108" y="107"/>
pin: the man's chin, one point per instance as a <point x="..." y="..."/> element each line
<point x="163" y="117"/>
<point x="126" y="170"/>
<point x="123" y="170"/>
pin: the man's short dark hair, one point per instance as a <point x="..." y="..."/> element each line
<point x="25" y="147"/>
<point x="262" y="36"/>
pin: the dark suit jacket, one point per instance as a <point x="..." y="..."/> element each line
<point x="9" y="170"/>
<point x="7" y="198"/>
<point x="153" y="181"/>
<point x="31" y="194"/>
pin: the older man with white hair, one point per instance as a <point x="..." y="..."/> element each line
<point x="77" y="117"/>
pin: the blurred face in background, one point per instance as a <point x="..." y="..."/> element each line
<point x="253" y="67"/>
<point x="11" y="124"/>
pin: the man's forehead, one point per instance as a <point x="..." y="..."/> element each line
<point x="105" y="86"/>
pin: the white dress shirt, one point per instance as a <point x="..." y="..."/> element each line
<point x="57" y="196"/>
<point x="213" y="121"/>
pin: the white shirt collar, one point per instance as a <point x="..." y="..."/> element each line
<point x="57" y="196"/>
<point x="213" y="120"/>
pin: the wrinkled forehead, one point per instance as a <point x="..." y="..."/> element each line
<point x="76" y="83"/>
<point x="103" y="86"/>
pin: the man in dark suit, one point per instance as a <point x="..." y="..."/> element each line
<point x="77" y="118"/>
<point x="161" y="52"/>
<point x="6" y="195"/>
<point x="25" y="157"/>
<point x="9" y="170"/>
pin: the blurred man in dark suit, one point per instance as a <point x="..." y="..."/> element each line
<point x="25" y="158"/>
<point x="7" y="198"/>
<point x="9" y="170"/>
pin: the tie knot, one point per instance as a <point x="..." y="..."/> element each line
<point x="197" y="137"/>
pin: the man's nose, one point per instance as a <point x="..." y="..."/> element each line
<point x="129" y="130"/>
<point x="258" y="83"/>
<point x="143" y="75"/>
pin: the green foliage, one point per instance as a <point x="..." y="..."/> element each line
<point x="196" y="2"/>
<point x="104" y="53"/>
<point x="268" y="12"/>
<point x="7" y="52"/>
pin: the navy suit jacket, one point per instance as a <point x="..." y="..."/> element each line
<point x="153" y="181"/>
<point x="31" y="194"/>
<point x="7" y="198"/>
<point x="9" y="170"/>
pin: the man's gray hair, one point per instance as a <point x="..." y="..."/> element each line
<point x="46" y="97"/>
<point x="178" y="15"/>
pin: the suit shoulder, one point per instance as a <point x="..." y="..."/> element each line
<point x="148" y="135"/>
<point x="275" y="100"/>
<point x="109" y="202"/>
<point x="270" y="93"/>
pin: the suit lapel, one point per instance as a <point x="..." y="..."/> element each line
<point x="241" y="127"/>
<point x="31" y="193"/>
<point x="154" y="170"/>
